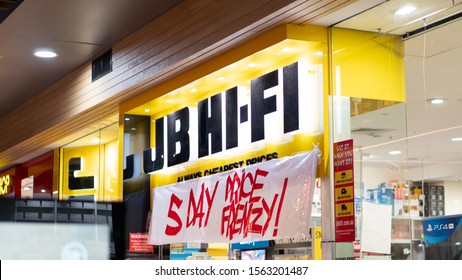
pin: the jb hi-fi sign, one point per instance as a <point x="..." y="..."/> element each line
<point x="237" y="117"/>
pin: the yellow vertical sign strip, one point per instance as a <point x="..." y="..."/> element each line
<point x="317" y="243"/>
<point x="56" y="174"/>
<point x="62" y="192"/>
<point x="120" y="165"/>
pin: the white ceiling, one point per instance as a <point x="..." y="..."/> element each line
<point x="382" y="17"/>
<point x="78" y="30"/>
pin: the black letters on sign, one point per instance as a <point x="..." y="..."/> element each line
<point x="231" y="118"/>
<point x="132" y="166"/>
<point x="181" y="136"/>
<point x="210" y="125"/>
<point x="261" y="106"/>
<point x="290" y="90"/>
<point x="148" y="164"/>
<point x="216" y="118"/>
<point x="129" y="170"/>
<point x="78" y="183"/>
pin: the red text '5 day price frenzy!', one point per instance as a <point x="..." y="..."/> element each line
<point x="244" y="204"/>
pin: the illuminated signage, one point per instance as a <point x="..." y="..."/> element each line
<point x="237" y="117"/>
<point x="5" y="182"/>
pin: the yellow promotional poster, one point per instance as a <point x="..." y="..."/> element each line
<point x="344" y="193"/>
<point x="344" y="209"/>
<point x="261" y="107"/>
<point x="343" y="177"/>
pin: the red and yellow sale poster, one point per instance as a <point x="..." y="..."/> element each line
<point x="344" y="191"/>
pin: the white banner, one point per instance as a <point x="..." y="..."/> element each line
<point x="264" y="201"/>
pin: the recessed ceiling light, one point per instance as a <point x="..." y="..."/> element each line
<point x="456" y="139"/>
<point x="368" y="156"/>
<point x="405" y="10"/>
<point x="45" y="53"/>
<point x="147" y="110"/>
<point x="437" y="100"/>
<point x="95" y="140"/>
<point x="394" y="152"/>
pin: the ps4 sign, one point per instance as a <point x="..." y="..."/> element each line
<point x="273" y="107"/>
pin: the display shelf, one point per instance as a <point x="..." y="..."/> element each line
<point x="401" y="241"/>
<point x="62" y="211"/>
<point x="291" y="245"/>
<point x="34" y="210"/>
<point x="406" y="228"/>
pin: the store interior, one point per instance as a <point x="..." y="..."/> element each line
<point x="416" y="144"/>
<point x="416" y="140"/>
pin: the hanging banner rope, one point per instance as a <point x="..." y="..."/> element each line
<point x="268" y="200"/>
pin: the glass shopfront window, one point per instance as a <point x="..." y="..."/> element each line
<point x="407" y="158"/>
<point x="367" y="113"/>
<point x="89" y="167"/>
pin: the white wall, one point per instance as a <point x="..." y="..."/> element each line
<point x="373" y="176"/>
<point x="452" y="197"/>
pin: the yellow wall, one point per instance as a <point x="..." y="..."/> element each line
<point x="367" y="65"/>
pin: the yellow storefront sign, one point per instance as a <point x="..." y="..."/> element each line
<point x="237" y="109"/>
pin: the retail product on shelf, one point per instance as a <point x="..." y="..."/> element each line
<point x="434" y="200"/>
<point x="406" y="198"/>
